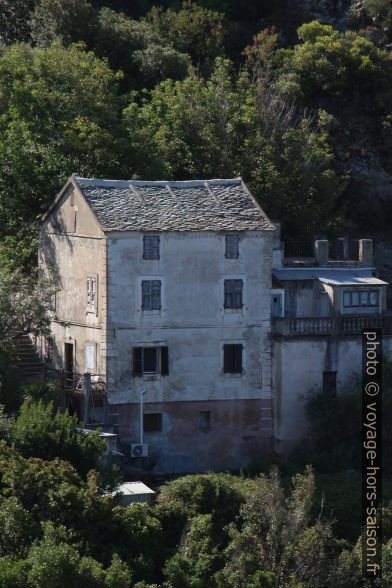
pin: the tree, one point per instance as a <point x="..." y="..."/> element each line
<point x="24" y="304"/>
<point x="69" y="20"/>
<point x="14" y="16"/>
<point x="229" y="125"/>
<point x="193" y="30"/>
<point x="327" y="61"/>
<point x="41" y="431"/>
<point x="137" y="48"/>
<point x="277" y="543"/>
<point x="59" y="113"/>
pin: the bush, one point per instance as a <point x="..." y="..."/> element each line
<point x="40" y="431"/>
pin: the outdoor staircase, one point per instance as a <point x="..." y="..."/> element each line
<point x="28" y="361"/>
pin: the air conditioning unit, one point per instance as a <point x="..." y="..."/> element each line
<point x="139" y="450"/>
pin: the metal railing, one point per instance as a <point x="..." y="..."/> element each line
<point x="75" y="382"/>
<point x="338" y="325"/>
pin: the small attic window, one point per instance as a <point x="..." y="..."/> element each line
<point x="72" y="198"/>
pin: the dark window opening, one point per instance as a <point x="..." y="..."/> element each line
<point x="151" y="247"/>
<point x="151" y="360"/>
<point x="231" y="251"/>
<point x="329" y="383"/>
<point x="152" y="422"/>
<point x="204" y="421"/>
<point x="232" y="359"/>
<point x="233" y="293"/>
<point x="151" y="295"/>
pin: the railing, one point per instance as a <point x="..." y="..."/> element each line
<point x="298" y="248"/>
<point x="344" y="250"/>
<point x="77" y="383"/>
<point x="339" y="325"/>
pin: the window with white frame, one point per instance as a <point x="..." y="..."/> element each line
<point x="151" y="294"/>
<point x="90" y="356"/>
<point x="233" y="293"/>
<point x="151" y="360"/>
<point x="360" y="298"/>
<point x="151" y="247"/>
<point x="231" y="246"/>
<point x="91" y="293"/>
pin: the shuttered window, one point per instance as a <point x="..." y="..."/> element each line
<point x="231" y="250"/>
<point x="232" y="358"/>
<point x="233" y="293"/>
<point x="151" y="247"/>
<point x="151" y="360"/>
<point x="151" y="295"/>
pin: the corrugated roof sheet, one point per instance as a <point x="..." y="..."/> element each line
<point x="174" y="206"/>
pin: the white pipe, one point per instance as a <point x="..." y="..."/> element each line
<point x="142" y="392"/>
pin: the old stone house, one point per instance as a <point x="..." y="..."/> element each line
<point x="165" y="299"/>
<point x="183" y="325"/>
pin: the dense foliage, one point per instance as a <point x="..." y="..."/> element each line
<point x="59" y="529"/>
<point x="180" y="90"/>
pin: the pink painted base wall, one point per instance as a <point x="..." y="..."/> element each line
<point x="240" y="430"/>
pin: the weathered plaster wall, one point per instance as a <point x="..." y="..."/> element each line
<point x="76" y="255"/>
<point x="192" y="323"/>
<point x="298" y="369"/>
<point x="239" y="431"/>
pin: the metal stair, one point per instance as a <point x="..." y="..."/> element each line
<point x="28" y="361"/>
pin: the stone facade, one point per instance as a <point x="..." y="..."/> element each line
<point x="208" y="418"/>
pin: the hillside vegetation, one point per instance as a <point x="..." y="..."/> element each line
<point x="180" y="90"/>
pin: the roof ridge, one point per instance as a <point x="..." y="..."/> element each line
<point x="163" y="183"/>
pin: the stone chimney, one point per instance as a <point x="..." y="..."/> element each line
<point x="366" y="251"/>
<point x="321" y="251"/>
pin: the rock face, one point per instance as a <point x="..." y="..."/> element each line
<point x="334" y="12"/>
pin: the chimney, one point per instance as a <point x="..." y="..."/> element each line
<point x="321" y="251"/>
<point x="366" y="251"/>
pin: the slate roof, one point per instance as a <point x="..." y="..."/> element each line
<point x="198" y="205"/>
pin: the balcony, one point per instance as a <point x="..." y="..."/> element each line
<point x="343" y="326"/>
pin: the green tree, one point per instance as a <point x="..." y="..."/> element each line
<point x="327" y="61"/>
<point x="59" y="113"/>
<point x="276" y="535"/>
<point x="24" y="304"/>
<point x="229" y="125"/>
<point x="41" y="431"/>
<point x="14" y="16"/>
<point x="193" y="30"/>
<point x="69" y="20"/>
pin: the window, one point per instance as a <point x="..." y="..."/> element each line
<point x="233" y="293"/>
<point x="91" y="293"/>
<point x="90" y="356"/>
<point x="151" y="247"/>
<point x="152" y="422"/>
<point x="151" y="360"/>
<point x="329" y="383"/>
<point x="204" y="421"/>
<point x="151" y="294"/>
<point x="360" y="298"/>
<point x="232" y="251"/>
<point x="232" y="358"/>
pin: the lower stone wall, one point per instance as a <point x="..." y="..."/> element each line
<point x="239" y="430"/>
<point x="298" y="366"/>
